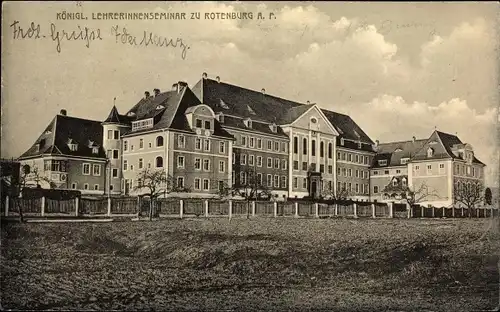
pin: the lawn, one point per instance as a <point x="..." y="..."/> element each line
<point x="252" y="265"/>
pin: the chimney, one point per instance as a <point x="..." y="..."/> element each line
<point x="414" y="139"/>
<point x="156" y="92"/>
<point x="146" y="94"/>
<point x="175" y="87"/>
<point x="217" y="78"/>
<point x="63" y="112"/>
<point x="263" y="91"/>
<point x="308" y="102"/>
<point x="204" y="76"/>
<point x="377" y="142"/>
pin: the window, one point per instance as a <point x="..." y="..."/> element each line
<point x="403" y="181"/>
<point x="131" y="147"/>
<point x="386" y="171"/>
<point x="429" y="169"/>
<point x="243" y="178"/>
<point x="96" y="187"/>
<point x="197" y="143"/>
<point x="222" y="166"/>
<point x="243" y="140"/>
<point x="375" y="189"/>
<point x="394" y="182"/>
<point x="295" y="182"/>
<point x="259" y="161"/>
<point x="342" y="141"/>
<point x="338" y="155"/>
<point x="313" y="147"/>
<point x="283" y="147"/>
<point x="180" y="182"/>
<point x="114" y="173"/>
<point x="357" y="188"/>
<point x="197" y="164"/>
<point x="233" y="178"/>
<point x="343" y="156"/>
<point x="141" y="143"/>
<point x="350" y="186"/>
<point x="96" y="170"/>
<point x="382" y="162"/>
<point x="276" y="163"/>
<point x="356" y="158"/>
<point x="207" y="124"/>
<point x="116" y="135"/>
<point x="295" y="145"/>
<point x="304" y="166"/>
<point x="150" y="145"/>
<point x="349" y="157"/>
<point x="322" y="149"/>
<point x="304" y="183"/>
<point x="125" y="164"/>
<point x="234" y="158"/>
<point x="344" y="171"/>
<point x="95" y="150"/>
<point x="330" y="150"/>
<point x="295" y="165"/>
<point x="430" y="152"/>
<point x="115" y="154"/>
<point x="73" y="186"/>
<point x="276" y="181"/>
<point x="251" y="160"/>
<point x="284" y="164"/>
<point x="110" y="134"/>
<point x="142" y="124"/>
<point x="86" y="186"/>
<point x="206" y="145"/>
<point x="404" y="161"/>
<point x="350" y="172"/>
<point x="313" y="166"/>
<point x="269" y="162"/>
<point x="304" y="146"/>
<point x="180" y="161"/>
<point x="140" y="163"/>
<point x="269" y="180"/>
<point x="86" y="169"/>
<point x="356" y="173"/>
<point x="125" y="146"/>
<point x="198" y="123"/>
<point x="338" y="171"/>
<point x="259" y="143"/>
<point x="159" y="162"/>
<point x="243" y="159"/>
<point x="131" y="167"/>
<point x="181" y="141"/>
<point x="197" y="183"/>
<point x="276" y="146"/>
<point x="206" y="164"/>
<point x="417" y="168"/>
<point x="441" y="168"/>
<point x="283" y="182"/>
<point x="222" y="147"/>
<point x="269" y="145"/>
<point x="321" y="168"/>
<point x="251" y="142"/>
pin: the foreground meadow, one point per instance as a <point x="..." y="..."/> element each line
<point x="252" y="265"/>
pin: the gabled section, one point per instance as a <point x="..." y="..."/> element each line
<point x="314" y="119"/>
<point x="397" y="153"/>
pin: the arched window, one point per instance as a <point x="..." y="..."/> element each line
<point x="313" y="147"/>
<point x="304" y="146"/>
<point x="322" y="149"/>
<point x="159" y="162"/>
<point x="159" y="141"/>
<point x="295" y="145"/>
<point x="330" y="150"/>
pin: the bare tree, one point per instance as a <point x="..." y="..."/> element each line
<point x="250" y="186"/>
<point x="468" y="194"/>
<point x="415" y="196"/>
<point x="488" y="196"/>
<point x="342" y="193"/>
<point x="155" y="183"/>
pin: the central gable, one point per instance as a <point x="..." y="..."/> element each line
<point x="314" y="119"/>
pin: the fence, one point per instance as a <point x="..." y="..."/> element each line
<point x="180" y="208"/>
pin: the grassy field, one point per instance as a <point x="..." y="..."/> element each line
<point x="252" y="265"/>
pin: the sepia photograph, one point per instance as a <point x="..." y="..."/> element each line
<point x="250" y="156"/>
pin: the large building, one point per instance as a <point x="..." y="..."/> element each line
<point x="220" y="135"/>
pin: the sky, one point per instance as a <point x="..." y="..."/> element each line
<point x="398" y="69"/>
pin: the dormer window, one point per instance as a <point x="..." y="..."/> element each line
<point x="248" y="123"/>
<point x="394" y="182"/>
<point x="404" y="160"/>
<point x="158" y="107"/>
<point x="274" y="128"/>
<point x="208" y="124"/>
<point x="73" y="147"/>
<point x="250" y="110"/>
<point x="223" y="104"/>
<point x="95" y="150"/>
<point x="360" y="145"/>
<point x="48" y="132"/>
<point x="432" y="142"/>
<point x="382" y="162"/>
<point x="131" y="114"/>
<point x="397" y="150"/>
<point x="220" y="117"/>
<point x="342" y="141"/>
<point x="430" y="152"/>
<point x="403" y="181"/>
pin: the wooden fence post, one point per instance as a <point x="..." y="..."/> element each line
<point x="296" y="209"/>
<point x="409" y="208"/>
<point x="181" y="208"/>
<point x="205" y="208"/>
<point x="462" y="211"/>
<point x="422" y="211"/>
<point x="477" y="212"/>
<point x="391" y="209"/>
<point x="374" y="215"/>
<point x="355" y="206"/>
<point x="76" y="206"/>
<point x="109" y="206"/>
<point x="6" y="206"/>
<point x="253" y="209"/>
<point x="43" y="206"/>
<point x="336" y="209"/>
<point x="230" y="209"/>
<point x="275" y="209"/>
<point x="444" y="212"/>
<point x="453" y="212"/>
<point x="433" y="212"/>
<point x="316" y="210"/>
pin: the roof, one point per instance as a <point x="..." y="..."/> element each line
<point x="115" y="117"/>
<point x="168" y="111"/>
<point x="244" y="103"/>
<point x="393" y="152"/>
<point x="64" y="129"/>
